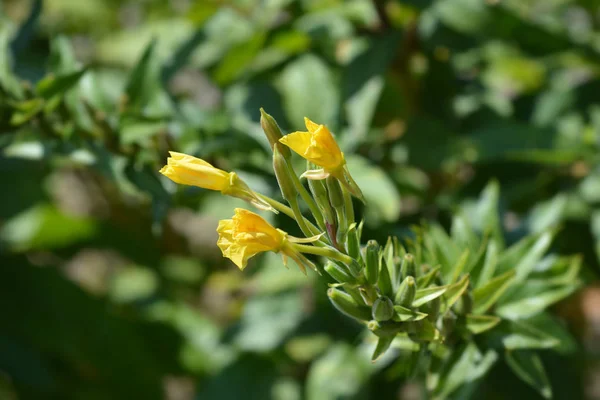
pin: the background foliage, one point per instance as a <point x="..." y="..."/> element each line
<point x="111" y="284"/>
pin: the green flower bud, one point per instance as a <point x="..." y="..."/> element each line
<point x="336" y="197"/>
<point x="273" y="132"/>
<point x="286" y="184"/>
<point x="352" y="243"/>
<point x="384" y="281"/>
<point x="406" y="292"/>
<point x="372" y="262"/>
<point x="339" y="273"/>
<point x="408" y="266"/>
<point x="346" y="305"/>
<point x="383" y="309"/>
<point x="319" y="191"/>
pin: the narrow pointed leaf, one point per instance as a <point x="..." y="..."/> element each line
<point x="383" y="344"/>
<point x="427" y="279"/>
<point x="426" y="295"/>
<point x="406" y="314"/>
<point x="454" y="292"/>
<point x="477" y="324"/>
<point x="528" y="366"/>
<point x="485" y="296"/>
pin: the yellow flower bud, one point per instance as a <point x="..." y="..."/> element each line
<point x="247" y="234"/>
<point x="188" y="170"/>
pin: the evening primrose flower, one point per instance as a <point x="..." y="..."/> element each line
<point x="247" y="234"/>
<point x="320" y="148"/>
<point x="188" y="170"/>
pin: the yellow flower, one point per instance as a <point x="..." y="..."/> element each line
<point x="247" y="234"/>
<point x="188" y="170"/>
<point x="317" y="146"/>
<point x="320" y="148"/>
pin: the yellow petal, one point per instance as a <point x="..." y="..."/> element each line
<point x="186" y="158"/>
<point x="311" y="126"/>
<point x="297" y="141"/>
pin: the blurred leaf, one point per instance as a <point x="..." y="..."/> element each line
<point x="54" y="85"/>
<point x="340" y="373"/>
<point x="528" y="366"/>
<point x="308" y="90"/>
<point x="268" y="320"/>
<point x="44" y="227"/>
<point x="133" y="284"/>
<point x="466" y="366"/>
<point x="26" y="30"/>
<point x="477" y="324"/>
<point x="486" y="295"/>
<point x="526" y="336"/>
<point x="379" y="191"/>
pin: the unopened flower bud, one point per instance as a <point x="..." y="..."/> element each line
<point x="406" y="292"/>
<point x="372" y="262"/>
<point x="346" y="305"/>
<point x="273" y="132"/>
<point x="339" y="273"/>
<point x="352" y="243"/>
<point x="383" y="309"/>
<point x="336" y="197"/>
<point x="384" y="281"/>
<point x="288" y="190"/>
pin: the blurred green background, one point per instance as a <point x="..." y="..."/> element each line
<point x="111" y="285"/>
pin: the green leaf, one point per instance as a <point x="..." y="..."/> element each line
<point x="308" y="90"/>
<point x="425" y="331"/>
<point x="525" y="254"/>
<point x="406" y="314"/>
<point x="268" y="319"/>
<point x="512" y="308"/>
<point x="526" y="336"/>
<point x="466" y="365"/>
<point x="426" y="295"/>
<point x="453" y="293"/>
<point x="60" y="84"/>
<point x="133" y="284"/>
<point x="477" y="324"/>
<point x="485" y="296"/>
<point x="44" y="227"/>
<point x="528" y="366"/>
<point x="483" y="214"/>
<point x="340" y="373"/>
<point x="238" y="59"/>
<point x="383" y="343"/>
<point x="379" y="190"/>
<point x="489" y="265"/>
<point x="425" y="280"/>
<point x="144" y="78"/>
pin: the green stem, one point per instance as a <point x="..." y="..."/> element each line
<point x="288" y="211"/>
<point x="301" y="220"/>
<point x="307" y="198"/>
<point x="327" y="252"/>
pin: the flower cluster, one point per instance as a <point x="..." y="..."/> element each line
<point x="246" y="233"/>
<point x="429" y="291"/>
